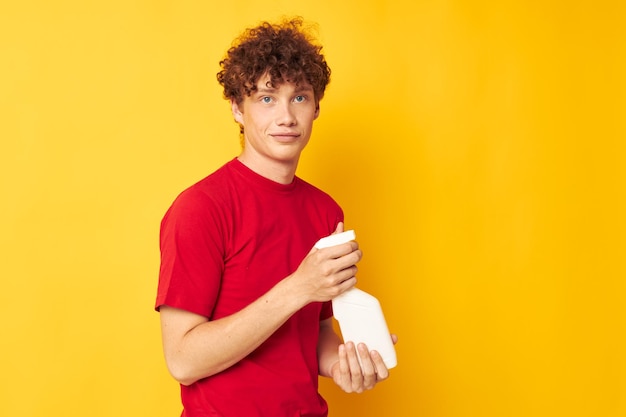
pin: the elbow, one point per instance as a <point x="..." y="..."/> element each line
<point x="183" y="375"/>
<point x="185" y="381"/>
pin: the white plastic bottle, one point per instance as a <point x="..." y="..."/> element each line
<point x="359" y="314"/>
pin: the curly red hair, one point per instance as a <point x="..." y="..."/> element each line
<point x="285" y="51"/>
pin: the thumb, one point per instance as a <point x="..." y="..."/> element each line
<point x="338" y="229"/>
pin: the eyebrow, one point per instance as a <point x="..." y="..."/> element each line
<point x="298" y="89"/>
<point x="265" y="90"/>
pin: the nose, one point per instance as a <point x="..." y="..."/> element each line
<point x="285" y="116"/>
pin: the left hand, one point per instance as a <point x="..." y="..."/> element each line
<point x="351" y="376"/>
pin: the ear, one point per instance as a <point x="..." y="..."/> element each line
<point x="237" y="113"/>
<point x="317" y="111"/>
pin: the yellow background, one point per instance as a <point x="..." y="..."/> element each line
<point x="477" y="148"/>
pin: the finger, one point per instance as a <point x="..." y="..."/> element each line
<point x="345" y="249"/>
<point x="339" y="228"/>
<point x="345" y="284"/>
<point x="346" y="274"/>
<point x="368" y="367"/>
<point x="343" y="378"/>
<point x="382" y="372"/>
<point x="356" y="374"/>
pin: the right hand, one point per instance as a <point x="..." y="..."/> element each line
<point x="326" y="273"/>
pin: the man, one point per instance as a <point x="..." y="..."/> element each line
<point x="244" y="298"/>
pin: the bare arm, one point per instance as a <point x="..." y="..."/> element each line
<point x="195" y="347"/>
<point x="327" y="347"/>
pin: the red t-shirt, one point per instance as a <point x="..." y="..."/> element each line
<point x="225" y="241"/>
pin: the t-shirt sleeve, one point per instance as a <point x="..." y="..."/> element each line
<point x="191" y="247"/>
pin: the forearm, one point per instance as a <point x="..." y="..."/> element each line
<point x="196" y="348"/>
<point x="210" y="347"/>
<point x="327" y="348"/>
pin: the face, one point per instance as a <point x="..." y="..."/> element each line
<point x="277" y="123"/>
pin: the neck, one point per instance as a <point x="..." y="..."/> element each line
<point x="277" y="171"/>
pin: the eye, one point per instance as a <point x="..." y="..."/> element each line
<point x="299" y="99"/>
<point x="266" y="99"/>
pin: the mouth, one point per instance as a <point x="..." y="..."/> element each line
<point x="285" y="137"/>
